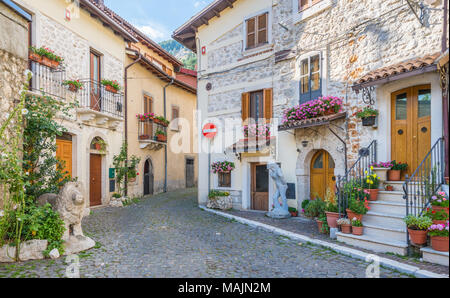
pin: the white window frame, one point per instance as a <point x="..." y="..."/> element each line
<point x="323" y="70"/>
<point x="310" y="11"/>
<point x="269" y="31"/>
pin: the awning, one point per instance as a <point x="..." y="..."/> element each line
<point x="397" y="71"/>
<point x="252" y="145"/>
<point x="319" y="121"/>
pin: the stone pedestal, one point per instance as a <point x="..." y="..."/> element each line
<point x="77" y="244"/>
<point x="279" y="213"/>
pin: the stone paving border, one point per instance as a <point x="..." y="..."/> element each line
<point x="357" y="254"/>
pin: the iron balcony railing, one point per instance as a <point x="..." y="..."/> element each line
<point x="426" y="181"/>
<point x="48" y="80"/>
<point x="151" y="131"/>
<point x="94" y="96"/>
<point x="356" y="174"/>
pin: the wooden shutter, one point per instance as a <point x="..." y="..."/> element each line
<point x="148" y="105"/>
<point x="303" y="4"/>
<point x="262" y="28"/>
<point x="251" y="33"/>
<point x="268" y="105"/>
<point x="245" y="106"/>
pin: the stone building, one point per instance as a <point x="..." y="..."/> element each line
<point x="92" y="46"/>
<point x="281" y="53"/>
<point x="13" y="63"/>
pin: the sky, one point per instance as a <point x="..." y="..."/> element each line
<point x="157" y="18"/>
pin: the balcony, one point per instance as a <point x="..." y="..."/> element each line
<point x="48" y="80"/>
<point x="96" y="104"/>
<point x="148" y="135"/>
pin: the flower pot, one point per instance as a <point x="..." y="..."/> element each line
<point x="330" y="112"/>
<point x="111" y="89"/>
<point x="35" y="57"/>
<point x="381" y="173"/>
<point x="54" y="64"/>
<point x="418" y="237"/>
<point x="373" y="194"/>
<point x="394" y="175"/>
<point x="389" y="188"/>
<point x="294" y="214"/>
<point x="358" y="231"/>
<point x="439" y="222"/>
<point x="132" y="180"/>
<point x="144" y="137"/>
<point x="332" y="218"/>
<point x="439" y="243"/>
<point x="73" y="88"/>
<point x="438" y="208"/>
<point x="162" y="138"/>
<point x="98" y="147"/>
<point x="352" y="215"/>
<point x="157" y="121"/>
<point x="346" y="229"/>
<point x="369" y="121"/>
<point x="47" y="62"/>
<point x="319" y="225"/>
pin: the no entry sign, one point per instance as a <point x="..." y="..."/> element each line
<point x="209" y="131"/>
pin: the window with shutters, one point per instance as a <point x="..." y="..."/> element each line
<point x="310" y="78"/>
<point x="224" y="179"/>
<point x="257" y="105"/>
<point x="148" y="104"/>
<point x="174" y="125"/>
<point x="257" y="31"/>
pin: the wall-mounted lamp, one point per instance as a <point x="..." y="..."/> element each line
<point x="305" y="144"/>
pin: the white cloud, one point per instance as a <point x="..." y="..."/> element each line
<point x="200" y="3"/>
<point x="155" y="31"/>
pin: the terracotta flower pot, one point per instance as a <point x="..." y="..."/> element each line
<point x="346" y="229"/>
<point x="437" y="208"/>
<point x="144" y="137"/>
<point x="54" y="63"/>
<point x="389" y="188"/>
<point x="320" y="225"/>
<point x="111" y="89"/>
<point x="394" y="175"/>
<point x="352" y="215"/>
<point x="46" y="61"/>
<point x="294" y="214"/>
<point x="132" y="180"/>
<point x="373" y="194"/>
<point x="98" y="147"/>
<point x="439" y="222"/>
<point x="35" y="57"/>
<point x="418" y="237"/>
<point x="358" y="231"/>
<point x="162" y="138"/>
<point x="332" y="218"/>
<point x="73" y="88"/>
<point x="439" y="243"/>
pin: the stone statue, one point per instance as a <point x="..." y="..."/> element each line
<point x="70" y="203"/>
<point x="281" y="209"/>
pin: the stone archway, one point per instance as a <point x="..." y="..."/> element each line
<point x="148" y="177"/>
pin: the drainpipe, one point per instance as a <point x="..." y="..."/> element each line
<point x="445" y="93"/>
<point x="165" y="149"/>
<point x="126" y="113"/>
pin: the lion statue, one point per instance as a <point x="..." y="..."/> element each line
<point x="70" y="203"/>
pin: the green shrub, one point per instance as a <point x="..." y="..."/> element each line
<point x="315" y="208"/>
<point x="419" y="223"/>
<point x="217" y="193"/>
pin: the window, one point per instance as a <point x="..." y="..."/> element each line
<point x="257" y="31"/>
<point x="257" y="105"/>
<point x="174" y="125"/>
<point x="148" y="104"/>
<point x="224" y="179"/>
<point x="310" y="79"/>
<point x="304" y="4"/>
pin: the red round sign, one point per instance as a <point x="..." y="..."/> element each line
<point x="209" y="131"/>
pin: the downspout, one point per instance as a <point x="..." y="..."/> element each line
<point x="165" y="149"/>
<point x="445" y="93"/>
<point x="126" y="114"/>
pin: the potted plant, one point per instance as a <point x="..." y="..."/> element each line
<point x="132" y="175"/>
<point x="331" y="209"/>
<point x="438" y="217"/>
<point x="100" y="145"/>
<point x="395" y="173"/>
<point x="371" y="184"/>
<point x="345" y="224"/>
<point x="161" y="136"/>
<point x="357" y="227"/>
<point x="161" y="120"/>
<point x="357" y="208"/>
<point x="439" y="202"/>
<point x="48" y="57"/>
<point x="222" y="167"/>
<point x="322" y="224"/>
<point x="145" y="117"/>
<point x="314" y="208"/>
<point x="389" y="187"/>
<point x="34" y="55"/>
<point x="293" y="212"/>
<point x="74" y="85"/>
<point x="439" y="237"/>
<point x="257" y="131"/>
<point x="219" y="200"/>
<point x="381" y="169"/>
<point x="312" y="109"/>
<point x="418" y="228"/>
<point x="368" y="116"/>
<point x="111" y="86"/>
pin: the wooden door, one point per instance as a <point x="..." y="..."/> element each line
<point x="148" y="178"/>
<point x="260" y="187"/>
<point x="190" y="174"/>
<point x="95" y="183"/>
<point x="95" y="89"/>
<point x="64" y="153"/>
<point x="322" y="174"/>
<point x="411" y="125"/>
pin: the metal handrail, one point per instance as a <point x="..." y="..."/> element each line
<point x="95" y="96"/>
<point x="367" y="157"/>
<point x="48" y="80"/>
<point x="147" y="130"/>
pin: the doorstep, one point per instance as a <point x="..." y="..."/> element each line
<point x="433" y="256"/>
<point x="344" y="250"/>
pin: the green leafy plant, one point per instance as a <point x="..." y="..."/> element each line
<point x="399" y="166"/>
<point x="356" y="223"/>
<point x="325" y="228"/>
<point x="315" y="208"/>
<point x="438" y="230"/>
<point x="358" y="206"/>
<point x="436" y="214"/>
<point x="292" y="209"/>
<point x="46" y="52"/>
<point x="372" y="181"/>
<point x="116" y="196"/>
<point x="367" y="112"/>
<point x="114" y="84"/>
<point x="75" y="83"/>
<point x="440" y="200"/>
<point x="160" y="133"/>
<point x="218" y="193"/>
<point x="101" y="144"/>
<point x="124" y="167"/>
<point x="419" y="223"/>
<point x="163" y="120"/>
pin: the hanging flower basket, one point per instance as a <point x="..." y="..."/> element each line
<point x="368" y="116"/>
<point x="369" y="121"/>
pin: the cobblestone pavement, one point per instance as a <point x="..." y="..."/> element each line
<point x="169" y="236"/>
<point x="304" y="226"/>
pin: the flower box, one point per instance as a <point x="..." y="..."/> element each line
<point x="162" y="138"/>
<point x="369" y="121"/>
<point x="35" y="57"/>
<point x="144" y="137"/>
<point x="47" y="62"/>
<point x="220" y="202"/>
<point x="73" y="88"/>
<point x="111" y="89"/>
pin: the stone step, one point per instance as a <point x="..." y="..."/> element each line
<point x="391" y="196"/>
<point x="387" y="233"/>
<point x="398" y="185"/>
<point x="436" y="257"/>
<point x="384" y="219"/>
<point x="390" y="207"/>
<point x="374" y="243"/>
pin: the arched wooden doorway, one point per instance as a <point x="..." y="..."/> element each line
<point x="148" y="178"/>
<point x="322" y="174"/>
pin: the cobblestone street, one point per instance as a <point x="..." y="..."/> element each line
<point x="169" y="236"/>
